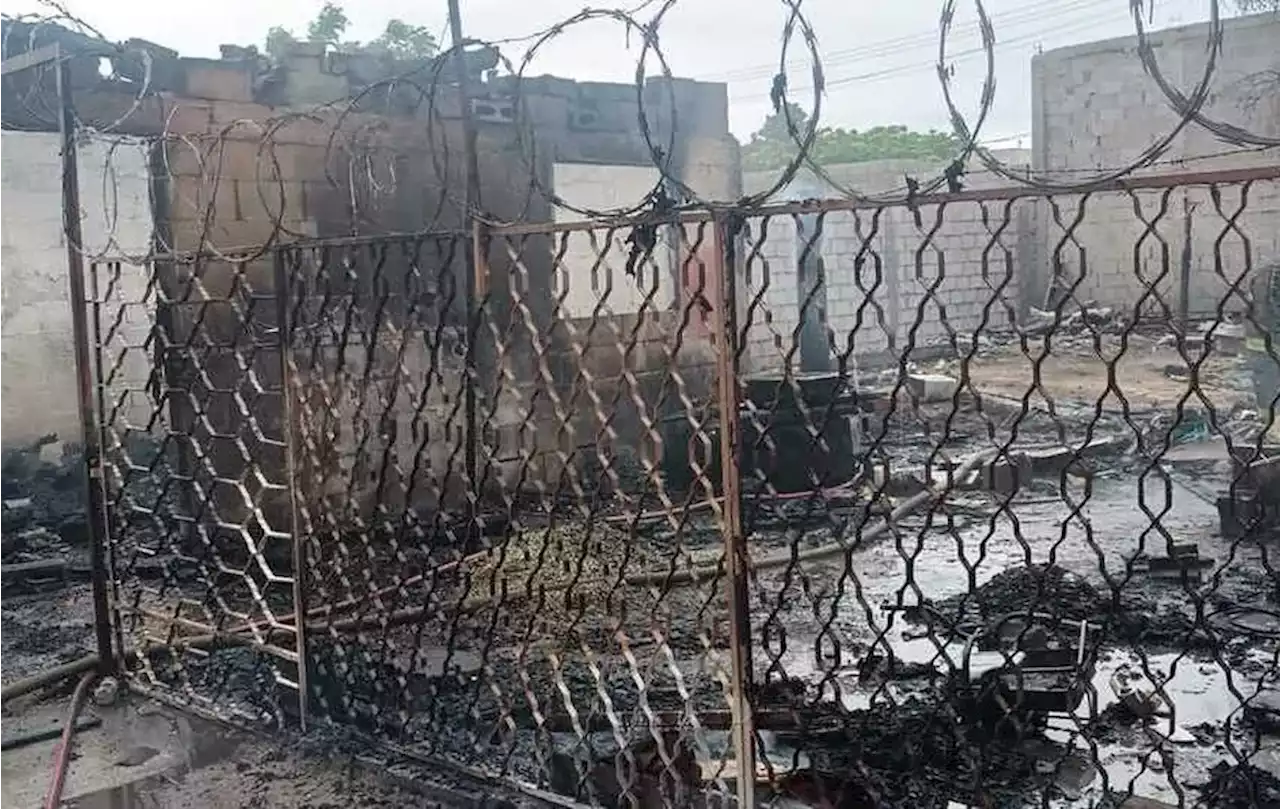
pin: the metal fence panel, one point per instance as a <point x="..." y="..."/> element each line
<point x="813" y="501"/>
<point x="200" y="534"/>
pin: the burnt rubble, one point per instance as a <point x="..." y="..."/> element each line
<point x="44" y="512"/>
<point x="1241" y="786"/>
<point x="917" y="752"/>
<point x="1054" y="592"/>
<point x="1044" y="588"/>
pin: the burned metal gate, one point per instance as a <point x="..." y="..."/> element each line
<point x="336" y="492"/>
<point x="536" y="501"/>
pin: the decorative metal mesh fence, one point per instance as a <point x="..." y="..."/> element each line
<point x="195" y="461"/>
<point x="812" y="500"/>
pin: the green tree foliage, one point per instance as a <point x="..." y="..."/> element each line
<point x="399" y="40"/>
<point x="328" y="26"/>
<point x="404" y="41"/>
<point x="278" y="41"/>
<point x="772" y="146"/>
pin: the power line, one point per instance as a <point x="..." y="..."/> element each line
<point x="898" y="70"/>
<point x="918" y="41"/>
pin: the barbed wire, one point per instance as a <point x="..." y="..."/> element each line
<point x="367" y="151"/>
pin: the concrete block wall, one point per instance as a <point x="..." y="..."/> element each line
<point x="891" y="288"/>
<point x="616" y="337"/>
<point x="385" y="431"/>
<point x="890" y="283"/>
<point x="1095" y="107"/>
<point x="590" y="276"/>
<point x="1219" y="259"/>
<point x="243" y="174"/>
<point x="237" y="184"/>
<point x="39" y="378"/>
<point x="243" y="178"/>
<point x="770" y="296"/>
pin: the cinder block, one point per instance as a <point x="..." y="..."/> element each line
<point x="932" y="387"/>
<point x="224" y="114"/>
<point x="210" y="157"/>
<point x="297" y="161"/>
<point x="219" y="80"/>
<point x="197" y="197"/>
<point x="272" y="200"/>
<point x="187" y="117"/>
<point x="235" y="235"/>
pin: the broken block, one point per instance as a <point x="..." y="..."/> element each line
<point x="16" y="514"/>
<point x="1263" y="711"/>
<point x="1183" y="562"/>
<point x="932" y="387"/>
<point x="1228" y="338"/>
<point x="1138" y="694"/>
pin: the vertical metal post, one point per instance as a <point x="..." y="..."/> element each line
<point x="85" y="371"/>
<point x="288" y="432"/>
<point x="95" y="295"/>
<point x="480" y="259"/>
<point x="811" y="289"/>
<point x="735" y="545"/>
<point x="478" y="285"/>
<point x="1184" y="276"/>
<point x="470" y="203"/>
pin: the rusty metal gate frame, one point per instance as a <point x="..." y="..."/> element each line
<point x="175" y="281"/>
<point x="721" y="268"/>
<point x="721" y="276"/>
<point x="720" y="285"/>
<point x="289" y="406"/>
<point x="724" y="274"/>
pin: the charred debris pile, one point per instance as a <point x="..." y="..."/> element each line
<point x="44" y="510"/>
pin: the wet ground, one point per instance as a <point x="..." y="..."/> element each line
<point x="820" y="623"/>
<point x="1206" y="681"/>
<point x="475" y="684"/>
<point x="828" y="638"/>
<point x="147" y="756"/>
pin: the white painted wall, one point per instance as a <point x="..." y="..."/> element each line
<point x="593" y="267"/>
<point x="36" y="346"/>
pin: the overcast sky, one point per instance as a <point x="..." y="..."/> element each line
<point x="878" y="56"/>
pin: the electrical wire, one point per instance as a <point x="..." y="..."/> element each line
<point x="855" y="80"/>
<point x="921" y="41"/>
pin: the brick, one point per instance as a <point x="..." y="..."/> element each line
<point x="268" y="200"/>
<point x="195" y="197"/>
<point x="305" y="162"/>
<point x="210" y="157"/>
<point x="233" y="235"/>
<point x="246" y="158"/>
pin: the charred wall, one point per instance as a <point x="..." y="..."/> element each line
<point x="244" y="162"/>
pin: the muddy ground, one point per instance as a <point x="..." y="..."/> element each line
<point x="474" y="682"/>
